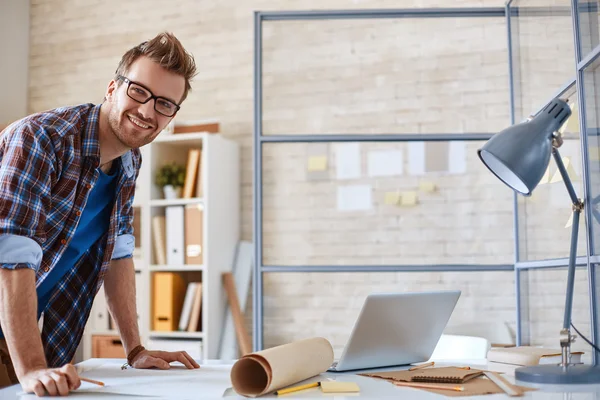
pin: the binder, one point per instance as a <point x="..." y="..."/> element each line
<point x="193" y="234"/>
<point x="175" y="232"/>
<point x="191" y="173"/>
<point x="195" y="318"/>
<point x="167" y="300"/>
<point x="159" y="240"/>
<point x="186" y="310"/>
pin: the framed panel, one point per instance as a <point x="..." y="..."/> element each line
<point x="387" y="203"/>
<point x="334" y="301"/>
<point x="543" y="299"/>
<point x="589" y="34"/>
<point x="542" y="51"/>
<point x="384" y="76"/>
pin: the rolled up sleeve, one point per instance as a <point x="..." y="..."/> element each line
<point x="19" y="252"/>
<point x="124" y="246"/>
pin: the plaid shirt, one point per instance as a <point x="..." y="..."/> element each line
<point x="48" y="165"/>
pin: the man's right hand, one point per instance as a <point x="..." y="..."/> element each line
<point x="51" y="381"/>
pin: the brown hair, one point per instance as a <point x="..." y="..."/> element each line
<point x="166" y="50"/>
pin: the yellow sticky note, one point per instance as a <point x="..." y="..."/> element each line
<point x="570" y="221"/>
<point x="427" y="186"/>
<point x="392" y="198"/>
<point x="546" y="177"/>
<point x="408" y="199"/>
<point x="570" y="171"/>
<point x="572" y="124"/>
<point x="339" y="387"/>
<point x="594" y="153"/>
<point x="317" y="163"/>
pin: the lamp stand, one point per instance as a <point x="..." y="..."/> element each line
<point x="565" y="372"/>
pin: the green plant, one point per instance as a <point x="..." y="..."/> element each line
<point x="170" y="174"/>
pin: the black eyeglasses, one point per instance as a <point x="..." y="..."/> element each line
<point x="142" y="95"/>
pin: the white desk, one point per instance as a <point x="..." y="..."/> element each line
<point x="212" y="380"/>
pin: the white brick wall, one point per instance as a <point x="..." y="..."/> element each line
<point x="428" y="76"/>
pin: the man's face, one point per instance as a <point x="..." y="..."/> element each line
<point x="136" y="124"/>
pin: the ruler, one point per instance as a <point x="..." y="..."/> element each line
<point x="503" y="384"/>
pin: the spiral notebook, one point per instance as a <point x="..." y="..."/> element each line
<point x="445" y="375"/>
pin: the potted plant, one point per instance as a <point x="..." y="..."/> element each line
<point x="170" y="177"/>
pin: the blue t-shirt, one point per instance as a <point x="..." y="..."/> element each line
<point x="93" y="223"/>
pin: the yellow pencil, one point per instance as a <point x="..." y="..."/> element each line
<point x="429" y="364"/>
<point x="296" y="388"/>
<point x="429" y="386"/>
<point x="91" y="381"/>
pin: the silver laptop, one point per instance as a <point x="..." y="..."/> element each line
<point x="397" y="329"/>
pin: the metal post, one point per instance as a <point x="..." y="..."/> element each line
<point x="257" y="300"/>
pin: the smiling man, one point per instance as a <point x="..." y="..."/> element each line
<point x="67" y="180"/>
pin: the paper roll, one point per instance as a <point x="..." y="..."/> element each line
<point x="268" y="370"/>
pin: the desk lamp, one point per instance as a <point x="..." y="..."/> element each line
<point x="519" y="157"/>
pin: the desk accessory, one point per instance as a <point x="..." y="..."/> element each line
<point x="269" y="370"/>
<point x="528" y="355"/>
<point x="445" y="375"/>
<point x="477" y="385"/>
<point x="430" y="386"/>
<point x="519" y="156"/>
<point x="297" y="388"/>
<point x="91" y="381"/>
<point x="429" y="364"/>
<point x="503" y="384"/>
<point x="339" y="387"/>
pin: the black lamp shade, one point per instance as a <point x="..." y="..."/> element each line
<point x="520" y="154"/>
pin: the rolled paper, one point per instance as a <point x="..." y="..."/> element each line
<point x="266" y="371"/>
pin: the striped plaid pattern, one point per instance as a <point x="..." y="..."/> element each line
<point x="48" y="166"/>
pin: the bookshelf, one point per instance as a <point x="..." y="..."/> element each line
<point x="217" y="194"/>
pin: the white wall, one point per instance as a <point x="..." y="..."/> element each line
<point x="14" y="59"/>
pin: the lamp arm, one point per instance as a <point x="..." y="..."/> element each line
<point x="565" y="335"/>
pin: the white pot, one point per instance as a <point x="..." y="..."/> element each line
<point x="171" y="192"/>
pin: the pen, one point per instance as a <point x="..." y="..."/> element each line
<point x="91" y="381"/>
<point x="296" y="388"/>
<point x="428" y="386"/>
<point x="429" y="364"/>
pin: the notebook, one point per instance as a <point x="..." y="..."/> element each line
<point x="528" y="355"/>
<point x="445" y="375"/>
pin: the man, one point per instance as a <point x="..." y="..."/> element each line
<point x="67" y="179"/>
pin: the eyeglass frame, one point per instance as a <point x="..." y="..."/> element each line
<point x="152" y="96"/>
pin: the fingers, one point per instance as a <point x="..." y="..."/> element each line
<point x="71" y="375"/>
<point x="49" y="384"/>
<point x="61" y="382"/>
<point x="192" y="361"/>
<point x="184" y="360"/>
<point x="38" y="389"/>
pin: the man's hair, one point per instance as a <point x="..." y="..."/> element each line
<point x="166" y="50"/>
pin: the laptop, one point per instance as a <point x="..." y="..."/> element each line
<point x="397" y="329"/>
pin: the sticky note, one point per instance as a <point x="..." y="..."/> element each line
<point x="317" y="163"/>
<point x="427" y="186"/>
<point x="572" y="124"/>
<point x="408" y="199"/>
<point x="392" y="198"/>
<point x="546" y="177"/>
<point x="570" y="221"/>
<point x="339" y="387"/>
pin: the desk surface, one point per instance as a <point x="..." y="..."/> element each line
<point x="212" y="381"/>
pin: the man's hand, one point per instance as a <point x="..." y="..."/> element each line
<point x="161" y="359"/>
<point x="51" y="381"/>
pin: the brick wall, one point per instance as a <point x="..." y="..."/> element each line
<point x="364" y="76"/>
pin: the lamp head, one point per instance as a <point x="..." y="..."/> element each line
<point x="519" y="155"/>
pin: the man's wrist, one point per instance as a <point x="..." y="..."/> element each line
<point x="134" y="353"/>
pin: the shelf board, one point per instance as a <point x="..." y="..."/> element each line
<point x="180" y="137"/>
<point x="176" y="202"/>
<point x="181" y="335"/>
<point x="176" y="268"/>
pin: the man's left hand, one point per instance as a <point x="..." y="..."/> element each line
<point x="162" y="359"/>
